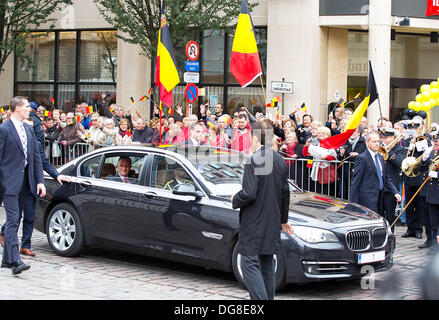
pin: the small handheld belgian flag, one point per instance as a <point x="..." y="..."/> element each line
<point x="132" y="100"/>
<point x="303" y="107"/>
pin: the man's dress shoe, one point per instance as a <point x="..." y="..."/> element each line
<point x="27" y="252"/>
<point x="19" y="267"/>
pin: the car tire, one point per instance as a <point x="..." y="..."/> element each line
<point x="64" y="231"/>
<point x="279" y="267"/>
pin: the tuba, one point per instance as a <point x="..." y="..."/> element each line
<point x="385" y="150"/>
<point x="411" y="166"/>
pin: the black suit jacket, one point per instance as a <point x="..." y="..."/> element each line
<point x="12" y="159"/>
<point x="365" y="183"/>
<point x="263" y="202"/>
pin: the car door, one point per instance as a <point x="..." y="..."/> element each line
<point x="110" y="207"/>
<point x="176" y="224"/>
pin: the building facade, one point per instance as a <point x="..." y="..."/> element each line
<point x="321" y="46"/>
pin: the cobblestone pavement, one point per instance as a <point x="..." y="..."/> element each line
<point x="102" y="274"/>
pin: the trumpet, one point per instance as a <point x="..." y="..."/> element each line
<point x="411" y="166"/>
<point x="384" y="150"/>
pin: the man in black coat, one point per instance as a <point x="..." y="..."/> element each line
<point x="392" y="164"/>
<point x="432" y="199"/>
<point x="370" y="178"/>
<point x="264" y="205"/>
<point x="142" y="133"/>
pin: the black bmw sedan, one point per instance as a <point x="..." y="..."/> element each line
<point x="174" y="203"/>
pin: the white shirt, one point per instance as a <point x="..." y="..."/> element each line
<point x="18" y="125"/>
<point x="373" y="158"/>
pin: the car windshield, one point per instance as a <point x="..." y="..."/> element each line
<point x="222" y="169"/>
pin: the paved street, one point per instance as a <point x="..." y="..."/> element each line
<point x="103" y="274"/>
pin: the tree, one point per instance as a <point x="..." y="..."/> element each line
<point x="18" y="20"/>
<point x="138" y="20"/>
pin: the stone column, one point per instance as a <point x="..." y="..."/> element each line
<point x="295" y="46"/>
<point x="133" y="78"/>
<point x="380" y="20"/>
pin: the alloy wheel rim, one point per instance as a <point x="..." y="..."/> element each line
<point x="62" y="230"/>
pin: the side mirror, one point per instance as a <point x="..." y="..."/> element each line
<point x="186" y="189"/>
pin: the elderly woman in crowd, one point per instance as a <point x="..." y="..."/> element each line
<point x="110" y="131"/>
<point x="323" y="173"/>
<point x="96" y="136"/>
<point x="123" y="135"/>
<point x="171" y="135"/>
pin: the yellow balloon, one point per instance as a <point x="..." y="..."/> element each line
<point x="432" y="102"/>
<point x="411" y="104"/>
<point x="418" y="105"/>
<point x="418" y="98"/>
<point x="426" y="105"/>
<point x="425" y="87"/>
<point x="434" y="93"/>
<point x="426" y="96"/>
<point x="434" y="84"/>
<point x="437" y="102"/>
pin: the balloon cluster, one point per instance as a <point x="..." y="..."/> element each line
<point x="426" y="100"/>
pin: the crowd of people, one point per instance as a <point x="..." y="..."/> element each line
<point x="297" y="135"/>
<point x="297" y="138"/>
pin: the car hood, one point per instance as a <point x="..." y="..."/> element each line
<point x="328" y="212"/>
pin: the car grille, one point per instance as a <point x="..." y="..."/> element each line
<point x="358" y="240"/>
<point x="379" y="237"/>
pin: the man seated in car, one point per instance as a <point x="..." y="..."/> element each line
<point x="123" y="171"/>
<point x="180" y="176"/>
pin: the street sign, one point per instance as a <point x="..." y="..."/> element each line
<point x="192" y="66"/>
<point x="191" y="77"/>
<point x="191" y="93"/>
<point x="192" y="50"/>
<point x="282" y="87"/>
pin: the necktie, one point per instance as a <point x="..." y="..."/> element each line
<point x="23" y="139"/>
<point x="378" y="167"/>
<point x="125" y="179"/>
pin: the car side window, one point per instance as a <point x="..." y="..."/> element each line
<point x="124" y="168"/>
<point x="166" y="174"/>
<point x="90" y="167"/>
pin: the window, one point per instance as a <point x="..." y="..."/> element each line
<point x="166" y="174"/>
<point x="123" y="168"/>
<point x="222" y="87"/>
<point x="69" y="66"/>
<point x="89" y="168"/>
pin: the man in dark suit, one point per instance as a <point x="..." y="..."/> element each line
<point x="28" y="216"/>
<point x="393" y="168"/>
<point x="21" y="176"/>
<point x="264" y="205"/>
<point x="196" y="135"/>
<point x="123" y="171"/>
<point x="370" y="178"/>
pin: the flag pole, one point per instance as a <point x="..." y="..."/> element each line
<point x="263" y="91"/>
<point x="160" y="111"/>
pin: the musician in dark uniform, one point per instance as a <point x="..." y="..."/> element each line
<point x="415" y="211"/>
<point x="432" y="196"/>
<point x="392" y="163"/>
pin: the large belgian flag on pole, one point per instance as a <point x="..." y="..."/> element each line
<point x="338" y="140"/>
<point x="245" y="64"/>
<point x="166" y="74"/>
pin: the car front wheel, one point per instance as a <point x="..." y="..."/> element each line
<point x="279" y="268"/>
<point x="64" y="230"/>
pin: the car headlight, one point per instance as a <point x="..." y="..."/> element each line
<point x="314" y="235"/>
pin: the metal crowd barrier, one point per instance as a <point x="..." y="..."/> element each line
<point x="59" y="154"/>
<point x="335" y="182"/>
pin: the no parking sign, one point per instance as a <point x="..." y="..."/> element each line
<point x="191" y="93"/>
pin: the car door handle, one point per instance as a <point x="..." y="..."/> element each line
<point x="150" y="195"/>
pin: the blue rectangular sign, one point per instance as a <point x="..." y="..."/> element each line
<point x="192" y="66"/>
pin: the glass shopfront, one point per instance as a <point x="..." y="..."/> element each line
<point x="69" y="66"/>
<point x="413" y="63"/>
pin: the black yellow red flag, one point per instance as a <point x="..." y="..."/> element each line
<point x="245" y="64"/>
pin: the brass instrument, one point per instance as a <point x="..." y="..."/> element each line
<point x="411" y="166"/>
<point x="434" y="163"/>
<point x="385" y="150"/>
